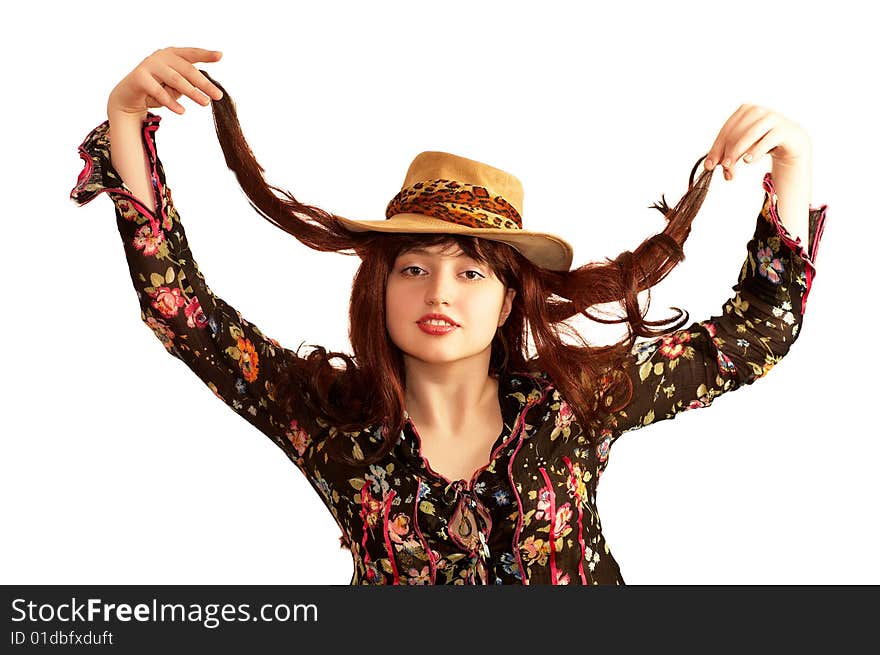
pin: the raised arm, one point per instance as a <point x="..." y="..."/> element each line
<point x="229" y="354"/>
<point x="755" y="330"/>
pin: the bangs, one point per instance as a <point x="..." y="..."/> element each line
<point x="471" y="247"/>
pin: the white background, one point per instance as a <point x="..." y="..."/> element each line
<point x="119" y="466"/>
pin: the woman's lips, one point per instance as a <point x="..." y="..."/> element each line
<point x="436" y="329"/>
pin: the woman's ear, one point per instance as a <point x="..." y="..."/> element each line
<point x="506" y="307"/>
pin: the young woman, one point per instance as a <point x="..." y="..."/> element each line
<point x="446" y="453"/>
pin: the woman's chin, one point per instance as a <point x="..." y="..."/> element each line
<point x="439" y="356"/>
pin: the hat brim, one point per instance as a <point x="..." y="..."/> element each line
<point x="546" y="250"/>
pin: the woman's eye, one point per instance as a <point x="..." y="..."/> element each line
<point x="415" y="271"/>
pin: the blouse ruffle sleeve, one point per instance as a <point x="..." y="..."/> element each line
<point x="689" y="368"/>
<point x="228" y="353"/>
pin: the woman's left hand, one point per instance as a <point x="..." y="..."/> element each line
<point x="753" y="131"/>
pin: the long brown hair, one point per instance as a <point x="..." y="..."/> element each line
<point x="368" y="388"/>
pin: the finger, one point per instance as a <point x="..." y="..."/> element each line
<point x="734" y="125"/>
<point x="747" y="144"/>
<point x="717" y="149"/>
<point x="763" y="146"/>
<point x="745" y="139"/>
<point x="161" y="95"/>
<point x="196" y="79"/>
<point x="170" y="77"/>
<point x="193" y="55"/>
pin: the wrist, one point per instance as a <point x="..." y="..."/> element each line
<point x="802" y="159"/>
<point x="118" y="114"/>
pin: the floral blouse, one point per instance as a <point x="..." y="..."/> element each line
<point x="529" y="515"/>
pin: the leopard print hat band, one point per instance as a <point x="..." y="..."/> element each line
<point x="446" y="193"/>
<point x="456" y="202"/>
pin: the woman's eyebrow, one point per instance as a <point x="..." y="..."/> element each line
<point x="423" y="251"/>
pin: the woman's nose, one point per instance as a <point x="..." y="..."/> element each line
<point x="438" y="291"/>
<point x="436" y="300"/>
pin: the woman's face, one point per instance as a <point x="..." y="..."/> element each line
<point x="434" y="281"/>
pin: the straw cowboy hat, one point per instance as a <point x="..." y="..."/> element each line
<point x="448" y="194"/>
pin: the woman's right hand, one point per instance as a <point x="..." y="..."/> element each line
<point x="161" y="78"/>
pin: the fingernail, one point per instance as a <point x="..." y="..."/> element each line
<point x="710" y="164"/>
<point x="747" y="157"/>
